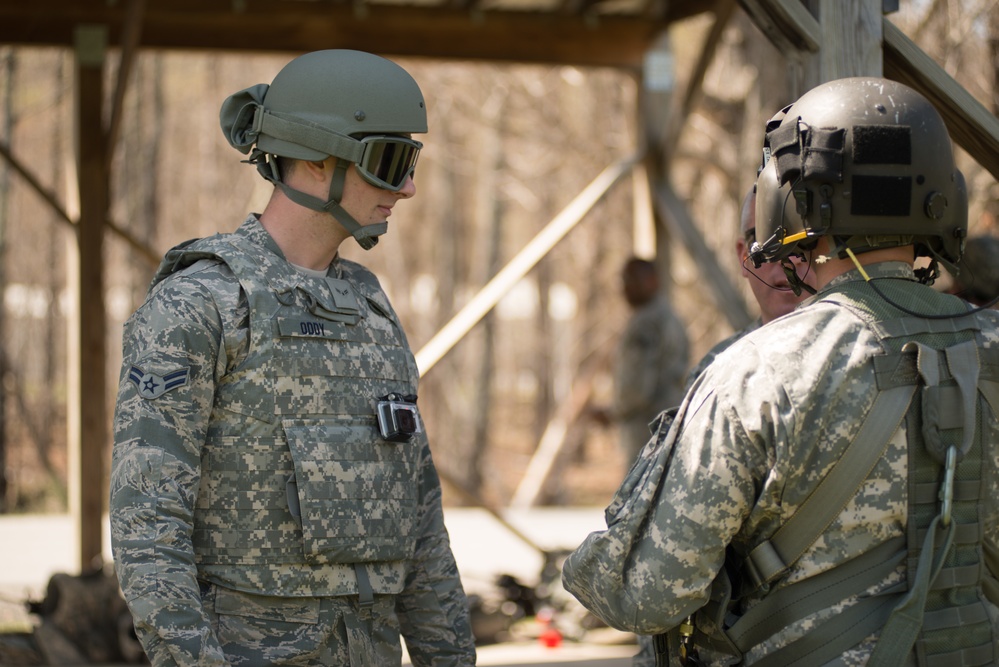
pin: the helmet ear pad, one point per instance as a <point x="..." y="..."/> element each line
<point x="868" y="160"/>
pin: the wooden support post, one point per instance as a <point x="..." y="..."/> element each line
<point x="88" y="447"/>
<point x="850" y="33"/>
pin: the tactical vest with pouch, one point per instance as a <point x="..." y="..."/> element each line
<point x="300" y="495"/>
<point x="937" y="376"/>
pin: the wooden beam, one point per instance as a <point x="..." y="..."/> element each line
<point x="787" y="24"/>
<point x="850" y="37"/>
<point x="695" y="84"/>
<point x="970" y="124"/>
<point x="91" y="447"/>
<point x="517" y="268"/>
<point x="616" y="40"/>
<point x="553" y="439"/>
<point x="129" y="47"/>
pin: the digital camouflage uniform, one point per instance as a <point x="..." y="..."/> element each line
<point x="652" y="357"/>
<point x="755" y="435"/>
<point x="717" y="349"/>
<point x="257" y="516"/>
<point x="646" y="656"/>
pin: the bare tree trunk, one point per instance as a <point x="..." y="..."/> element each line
<point x="491" y="208"/>
<point x="46" y="409"/>
<point x="994" y="52"/>
<point x="9" y="67"/>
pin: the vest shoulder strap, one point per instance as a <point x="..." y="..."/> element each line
<point x="772" y="558"/>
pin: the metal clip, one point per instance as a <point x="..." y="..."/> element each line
<point x="688" y="652"/>
<point x="947" y="487"/>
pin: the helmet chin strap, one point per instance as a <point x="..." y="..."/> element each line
<point x="365" y="235"/>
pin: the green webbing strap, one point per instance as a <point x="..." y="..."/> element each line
<point x="830" y="639"/>
<point x="364" y="234"/>
<point x="963" y="362"/>
<point x="990" y="390"/>
<point x="771" y="559"/>
<point x="906" y="620"/>
<point x="365" y="595"/>
<point x="803" y="598"/>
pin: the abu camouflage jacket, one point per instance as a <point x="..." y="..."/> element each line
<point x="247" y="452"/>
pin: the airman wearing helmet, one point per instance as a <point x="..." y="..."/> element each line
<point x="273" y="497"/>
<point x="822" y="495"/>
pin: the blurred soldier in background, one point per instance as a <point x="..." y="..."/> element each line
<point x="827" y="493"/>
<point x="273" y="498"/>
<point x="651" y="361"/>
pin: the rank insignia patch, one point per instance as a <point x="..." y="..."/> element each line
<point x="151" y="385"/>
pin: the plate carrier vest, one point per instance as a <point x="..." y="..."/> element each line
<point x="937" y="376"/>
<point x="299" y="493"/>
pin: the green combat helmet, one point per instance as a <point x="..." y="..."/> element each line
<point x="350" y="105"/>
<point x="868" y="162"/>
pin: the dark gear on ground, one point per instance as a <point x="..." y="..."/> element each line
<point x="82" y="620"/>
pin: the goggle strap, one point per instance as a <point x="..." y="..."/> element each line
<point x="309" y="135"/>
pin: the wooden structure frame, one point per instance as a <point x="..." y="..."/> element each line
<point x="612" y="33"/>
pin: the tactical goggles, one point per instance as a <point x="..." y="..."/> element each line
<point x="388" y="160"/>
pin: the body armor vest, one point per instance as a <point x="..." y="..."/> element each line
<point x="297" y="485"/>
<point x="942" y="618"/>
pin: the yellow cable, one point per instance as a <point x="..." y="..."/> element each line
<point x="856" y="263"/>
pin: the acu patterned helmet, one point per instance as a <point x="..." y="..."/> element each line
<point x="865" y="160"/>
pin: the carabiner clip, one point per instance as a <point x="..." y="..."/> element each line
<point x="947" y="487"/>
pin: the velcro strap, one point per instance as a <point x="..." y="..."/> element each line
<point x="823" y="159"/>
<point x="954" y="577"/>
<point x="785" y="148"/>
<point x="928" y="493"/>
<point x="964" y="533"/>
<point x="968" y="657"/>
